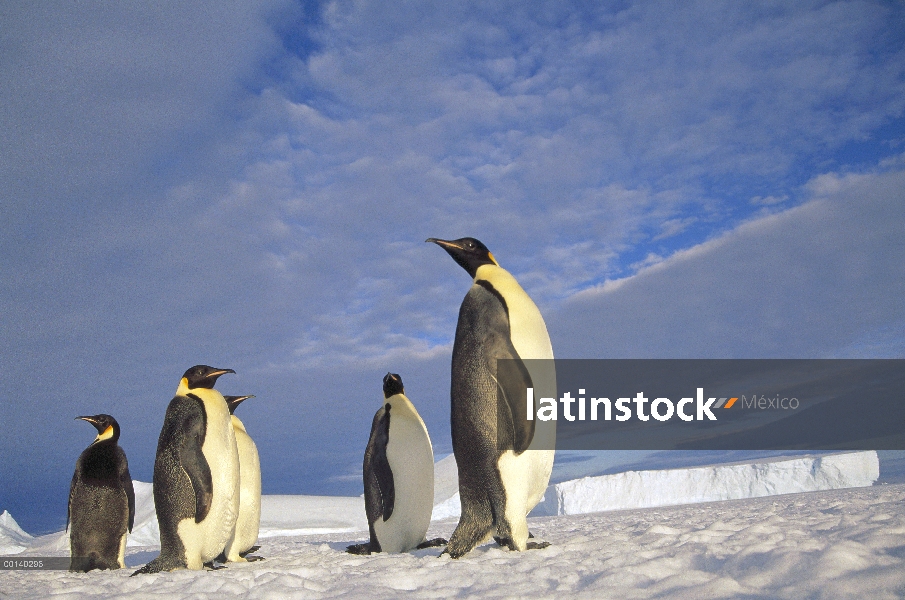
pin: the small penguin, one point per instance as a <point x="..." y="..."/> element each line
<point x="504" y="459"/>
<point x="101" y="501"/>
<point x="245" y="535"/>
<point x="196" y="475"/>
<point x="398" y="477"/>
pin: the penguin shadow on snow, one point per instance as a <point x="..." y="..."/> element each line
<point x="434" y="550"/>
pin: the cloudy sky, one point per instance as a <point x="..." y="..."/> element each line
<point x="249" y="185"/>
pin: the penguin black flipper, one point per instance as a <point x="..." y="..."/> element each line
<point x="512" y="380"/>
<point x="192" y="458"/>
<point x="125" y="480"/>
<point x="485" y="306"/>
<point x="380" y="492"/>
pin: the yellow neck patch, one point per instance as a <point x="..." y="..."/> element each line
<point x="493" y="258"/>
<point x="106" y="435"/>
<point x="183" y="388"/>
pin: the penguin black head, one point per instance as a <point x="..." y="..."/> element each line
<point x="107" y="427"/>
<point x="392" y="385"/>
<point x="233" y="401"/>
<point x="468" y="252"/>
<point x="203" y="376"/>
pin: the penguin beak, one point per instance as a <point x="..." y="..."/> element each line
<point x="239" y="399"/>
<point x="89" y="419"/>
<point x="444" y="244"/>
<point x="213" y="375"/>
<point x="219" y="372"/>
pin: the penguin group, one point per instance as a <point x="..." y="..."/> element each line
<point x="207" y="477"/>
<point x="200" y="472"/>
<point x="504" y="459"/>
<point x="207" y="485"/>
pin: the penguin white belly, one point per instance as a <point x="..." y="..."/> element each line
<point x="249" y="519"/>
<point x="411" y="460"/>
<point x="122" y="551"/>
<point x="525" y="477"/>
<point x="205" y="541"/>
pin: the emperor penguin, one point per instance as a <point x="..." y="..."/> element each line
<point x="245" y="534"/>
<point x="101" y="501"/>
<point x="196" y="475"/>
<point x="504" y="459"/>
<point x="398" y="474"/>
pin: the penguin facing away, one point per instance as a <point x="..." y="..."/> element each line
<point x="101" y="501"/>
<point x="248" y="522"/>
<point x="398" y="473"/>
<point x="504" y="460"/>
<point x="196" y="475"/>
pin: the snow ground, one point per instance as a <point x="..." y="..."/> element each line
<point x="829" y="544"/>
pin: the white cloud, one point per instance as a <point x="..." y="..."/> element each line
<point x="814" y="281"/>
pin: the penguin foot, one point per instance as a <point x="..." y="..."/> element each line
<point x="463" y="541"/>
<point x="434" y="543"/>
<point x="249" y="551"/>
<point x="158" y="566"/>
<point x="210" y="566"/>
<point x="457" y="550"/>
<point x="252" y="558"/>
<point x="537" y="545"/>
<point x="529" y="546"/>
<point x="360" y="549"/>
<point x="505" y="542"/>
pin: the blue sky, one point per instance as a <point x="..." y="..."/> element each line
<point x="248" y="185"/>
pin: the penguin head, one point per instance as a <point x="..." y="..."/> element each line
<point x="468" y="252"/>
<point x="233" y="401"/>
<point x="107" y="427"/>
<point x="392" y="385"/>
<point x="203" y="376"/>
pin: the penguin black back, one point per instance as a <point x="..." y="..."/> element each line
<point x="101" y="501"/>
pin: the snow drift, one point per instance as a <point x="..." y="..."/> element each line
<point x="645" y="489"/>
<point x="12" y="538"/>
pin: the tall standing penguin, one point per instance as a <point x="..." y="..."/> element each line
<point x="247" y="524"/>
<point x="196" y="475"/>
<point x="398" y="474"/>
<point x="101" y="501"/>
<point x="504" y="459"/>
